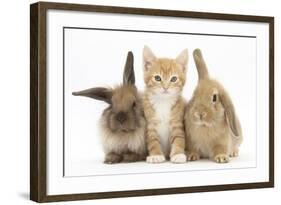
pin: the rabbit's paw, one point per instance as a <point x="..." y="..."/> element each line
<point x="112" y="158"/>
<point x="221" y="158"/>
<point x="132" y="157"/>
<point x="193" y="156"/>
<point x="234" y="153"/>
<point x="155" y="159"/>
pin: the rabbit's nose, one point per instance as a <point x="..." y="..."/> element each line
<point x="121" y="117"/>
<point x="202" y="115"/>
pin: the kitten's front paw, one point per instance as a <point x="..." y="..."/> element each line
<point x="221" y="158"/>
<point x="178" y="158"/>
<point x="155" y="159"/>
<point x="193" y="156"/>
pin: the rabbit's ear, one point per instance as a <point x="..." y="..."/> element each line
<point x="98" y="93"/>
<point x="182" y="59"/>
<point x="200" y="64"/>
<point x="148" y="58"/>
<point x="230" y="112"/>
<point x="129" y="74"/>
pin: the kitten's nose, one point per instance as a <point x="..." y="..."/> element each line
<point x="121" y="117"/>
<point x="165" y="86"/>
<point x="165" y="89"/>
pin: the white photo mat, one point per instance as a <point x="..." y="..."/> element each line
<point x="65" y="28"/>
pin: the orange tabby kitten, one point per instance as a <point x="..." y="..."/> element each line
<point x="164" y="106"/>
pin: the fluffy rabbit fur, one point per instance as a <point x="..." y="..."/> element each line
<point x="122" y="123"/>
<point x="212" y="127"/>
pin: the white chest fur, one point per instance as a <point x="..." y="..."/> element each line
<point x="162" y="106"/>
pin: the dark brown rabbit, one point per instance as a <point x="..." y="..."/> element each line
<point x="122" y="124"/>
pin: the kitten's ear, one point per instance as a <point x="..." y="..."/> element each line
<point x="182" y="59"/>
<point x="148" y="57"/>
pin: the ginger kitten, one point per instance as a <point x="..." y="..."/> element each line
<point x="164" y="106"/>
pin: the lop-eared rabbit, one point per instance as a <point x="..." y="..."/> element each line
<point x="211" y="124"/>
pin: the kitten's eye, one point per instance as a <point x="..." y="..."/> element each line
<point x="157" y="78"/>
<point x="215" y="98"/>
<point x="174" y="79"/>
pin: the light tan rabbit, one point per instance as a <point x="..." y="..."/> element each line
<point x="122" y="124"/>
<point x="212" y="127"/>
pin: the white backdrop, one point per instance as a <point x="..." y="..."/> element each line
<point x="84" y="168"/>
<point x="14" y="104"/>
<point x="96" y="58"/>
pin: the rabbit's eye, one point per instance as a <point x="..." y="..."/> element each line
<point x="134" y="104"/>
<point x="174" y="79"/>
<point x="215" y="98"/>
<point x="157" y="78"/>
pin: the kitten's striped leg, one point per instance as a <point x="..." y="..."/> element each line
<point x="177" y="137"/>
<point x="154" y="147"/>
<point x="177" y="154"/>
